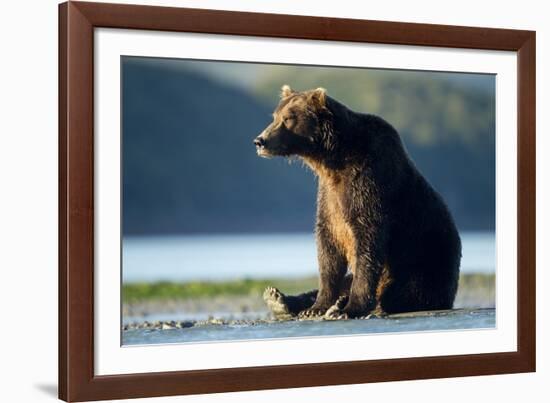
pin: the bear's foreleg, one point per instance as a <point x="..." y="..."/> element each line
<point x="332" y="270"/>
<point x="368" y="266"/>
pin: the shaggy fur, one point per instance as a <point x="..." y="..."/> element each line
<point x="386" y="241"/>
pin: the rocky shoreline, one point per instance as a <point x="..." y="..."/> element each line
<point x="182" y="324"/>
<point x="212" y="321"/>
<point x="252" y="306"/>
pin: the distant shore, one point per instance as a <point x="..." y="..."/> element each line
<point x="243" y="298"/>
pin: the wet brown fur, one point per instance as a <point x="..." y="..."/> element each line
<point x="338" y="226"/>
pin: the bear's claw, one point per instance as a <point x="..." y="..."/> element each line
<point x="311" y="313"/>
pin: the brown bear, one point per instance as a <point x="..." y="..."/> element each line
<point x="386" y="241"/>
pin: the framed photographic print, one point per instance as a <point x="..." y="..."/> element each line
<point x="252" y="201"/>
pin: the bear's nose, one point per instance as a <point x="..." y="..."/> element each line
<point x="259" y="142"/>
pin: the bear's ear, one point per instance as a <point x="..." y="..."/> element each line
<point x="286" y="91"/>
<point x="319" y="95"/>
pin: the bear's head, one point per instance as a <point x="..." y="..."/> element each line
<point x="301" y="126"/>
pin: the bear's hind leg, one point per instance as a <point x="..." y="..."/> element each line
<point x="287" y="306"/>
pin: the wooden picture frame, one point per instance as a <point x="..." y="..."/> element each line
<point x="77" y="21"/>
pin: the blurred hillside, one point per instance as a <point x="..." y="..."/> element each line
<point x="189" y="164"/>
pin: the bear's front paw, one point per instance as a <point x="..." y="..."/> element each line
<point x="353" y="311"/>
<point x="335" y="311"/>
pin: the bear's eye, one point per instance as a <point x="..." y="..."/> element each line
<point x="288" y="120"/>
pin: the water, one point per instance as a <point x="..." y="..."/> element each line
<point x="223" y="257"/>
<point x="453" y="320"/>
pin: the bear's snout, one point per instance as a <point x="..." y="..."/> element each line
<point x="259" y="141"/>
<point x="261" y="149"/>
